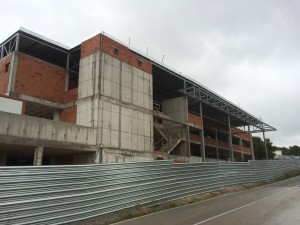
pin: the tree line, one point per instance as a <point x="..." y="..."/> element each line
<point x="259" y="149"/>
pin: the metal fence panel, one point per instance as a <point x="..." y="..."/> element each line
<point x="65" y="194"/>
<point x="235" y="173"/>
<point x="193" y="178"/>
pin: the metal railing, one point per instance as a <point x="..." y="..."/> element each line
<point x="66" y="194"/>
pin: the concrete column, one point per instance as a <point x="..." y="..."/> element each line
<point x="188" y="144"/>
<point x="266" y="149"/>
<point x="202" y="135"/>
<point x="3" y="158"/>
<point x="56" y="115"/>
<point x="38" y="156"/>
<point x="217" y="149"/>
<point x="13" y="72"/>
<point x="230" y="140"/>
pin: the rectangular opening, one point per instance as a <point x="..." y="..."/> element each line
<point x="140" y="62"/>
<point x="116" y="51"/>
<point x="7" y="66"/>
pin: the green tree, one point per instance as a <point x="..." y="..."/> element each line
<point x="259" y="148"/>
<point x="294" y="150"/>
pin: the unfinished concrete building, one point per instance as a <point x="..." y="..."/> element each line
<point x="103" y="101"/>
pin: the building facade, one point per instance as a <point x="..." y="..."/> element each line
<point x="103" y="101"/>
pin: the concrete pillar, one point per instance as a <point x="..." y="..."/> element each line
<point x="56" y="115"/>
<point x="13" y="72"/>
<point x="188" y="144"/>
<point x="3" y="158"/>
<point x="38" y="156"/>
<point x="230" y="140"/>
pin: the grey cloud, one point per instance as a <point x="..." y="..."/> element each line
<point x="246" y="50"/>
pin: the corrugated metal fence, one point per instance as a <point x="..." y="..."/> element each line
<point x="66" y="194"/>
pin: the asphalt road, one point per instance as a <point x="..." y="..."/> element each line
<point x="278" y="203"/>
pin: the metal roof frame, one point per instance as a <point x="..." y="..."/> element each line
<point x="43" y="48"/>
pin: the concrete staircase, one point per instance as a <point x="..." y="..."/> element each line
<point x="169" y="138"/>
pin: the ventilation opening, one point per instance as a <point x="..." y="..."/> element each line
<point x="116" y="51"/>
<point x="140" y="63"/>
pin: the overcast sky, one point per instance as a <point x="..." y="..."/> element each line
<point x="245" y="50"/>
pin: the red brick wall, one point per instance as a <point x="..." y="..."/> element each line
<point x="211" y="124"/>
<point x="93" y="45"/>
<point x="4" y="76"/>
<point x="39" y="79"/>
<point x="71" y="95"/>
<point x="90" y="46"/>
<point x="69" y="115"/>
<point x="244" y="136"/>
<point x="195" y="119"/>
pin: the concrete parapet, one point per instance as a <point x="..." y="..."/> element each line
<point x="33" y="130"/>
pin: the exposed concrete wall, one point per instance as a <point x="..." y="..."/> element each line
<point x="36" y="131"/>
<point x="117" y="155"/>
<point x="177" y="108"/>
<point x="116" y="98"/>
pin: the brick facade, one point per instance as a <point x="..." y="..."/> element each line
<point x="4" y="74"/>
<point x="195" y="119"/>
<point x="69" y="115"/>
<point x="39" y="79"/>
<point x="116" y="50"/>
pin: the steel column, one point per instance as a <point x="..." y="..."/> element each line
<point x="241" y="144"/>
<point x="251" y="144"/>
<point x="230" y="140"/>
<point x="17" y="42"/>
<point x="202" y="135"/>
<point x="266" y="149"/>
<point x="68" y="72"/>
<point x="217" y="149"/>
<point x="2" y="50"/>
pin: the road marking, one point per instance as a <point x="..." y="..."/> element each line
<point x="251" y="203"/>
